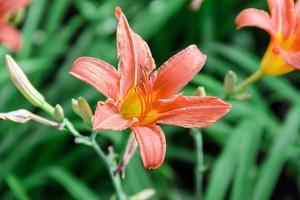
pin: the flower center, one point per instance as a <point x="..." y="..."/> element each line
<point x="133" y="105"/>
<point x="137" y="104"/>
<point x="273" y="63"/>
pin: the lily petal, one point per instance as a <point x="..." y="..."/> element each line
<point x="283" y="15"/>
<point x="107" y="118"/>
<point x="152" y="144"/>
<point x="9" y="6"/>
<point x="135" y="57"/>
<point x="192" y="111"/>
<point x="10" y="36"/>
<point x="257" y="18"/>
<point x="178" y="71"/>
<point x="291" y="58"/>
<point x="98" y="74"/>
<point x="298" y="8"/>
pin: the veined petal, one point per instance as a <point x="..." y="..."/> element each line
<point x="152" y="144"/>
<point x="291" y="58"/>
<point x="98" y="74"/>
<point x="107" y="118"/>
<point x="9" y="6"/>
<point x="192" y="111"/>
<point x="10" y="36"/>
<point x="134" y="54"/>
<point x="257" y="18"/>
<point x="283" y="15"/>
<point x="178" y="71"/>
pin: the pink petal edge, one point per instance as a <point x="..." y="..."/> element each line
<point x="152" y="145"/>
<point x="98" y="74"/>
<point x="192" y="111"/>
<point x="10" y="6"/>
<point x="256" y="18"/>
<point x="10" y="36"/>
<point x="176" y="72"/>
<point x="292" y="58"/>
<point x="107" y="118"/>
<point x="134" y="55"/>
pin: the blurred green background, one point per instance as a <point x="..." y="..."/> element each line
<point x="253" y="153"/>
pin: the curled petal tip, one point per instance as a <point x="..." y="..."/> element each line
<point x="118" y="12"/>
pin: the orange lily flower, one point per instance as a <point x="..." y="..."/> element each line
<point x="138" y="96"/>
<point x="8" y="34"/>
<point x="283" y="25"/>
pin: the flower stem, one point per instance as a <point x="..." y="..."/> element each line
<point x="251" y="79"/>
<point x="199" y="162"/>
<point x="108" y="160"/>
<point x="110" y="165"/>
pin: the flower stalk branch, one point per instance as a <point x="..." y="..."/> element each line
<point x="107" y="160"/>
<point x="197" y="135"/>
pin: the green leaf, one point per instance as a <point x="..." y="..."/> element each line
<point x="77" y="189"/>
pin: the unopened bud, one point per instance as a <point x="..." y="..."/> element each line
<point x="59" y="113"/>
<point x="22" y="83"/>
<point x="200" y="91"/>
<point x="83" y="109"/>
<point x="22" y="116"/>
<point x="229" y="83"/>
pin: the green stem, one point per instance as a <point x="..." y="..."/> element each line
<point x="199" y="162"/>
<point x="91" y="141"/>
<point x="110" y="167"/>
<point x="47" y="108"/>
<point x="251" y="79"/>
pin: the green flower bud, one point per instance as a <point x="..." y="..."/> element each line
<point x="229" y="83"/>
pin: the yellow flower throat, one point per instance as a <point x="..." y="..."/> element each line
<point x="137" y="104"/>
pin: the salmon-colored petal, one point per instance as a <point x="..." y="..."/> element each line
<point x="9" y="6"/>
<point x="98" y="74"/>
<point x="152" y="145"/>
<point x="291" y="58"/>
<point x="192" y="111"/>
<point x="257" y="18"/>
<point x="107" y="117"/>
<point x="283" y="15"/>
<point x="135" y="59"/>
<point x="178" y="71"/>
<point x="10" y="36"/>
<point x="298" y="8"/>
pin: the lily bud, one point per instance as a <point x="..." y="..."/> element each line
<point x="22" y="116"/>
<point x="59" y="113"/>
<point x="229" y="83"/>
<point x="83" y="109"/>
<point x="20" y="80"/>
<point x="200" y="91"/>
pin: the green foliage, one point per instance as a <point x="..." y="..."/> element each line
<point x="246" y="155"/>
